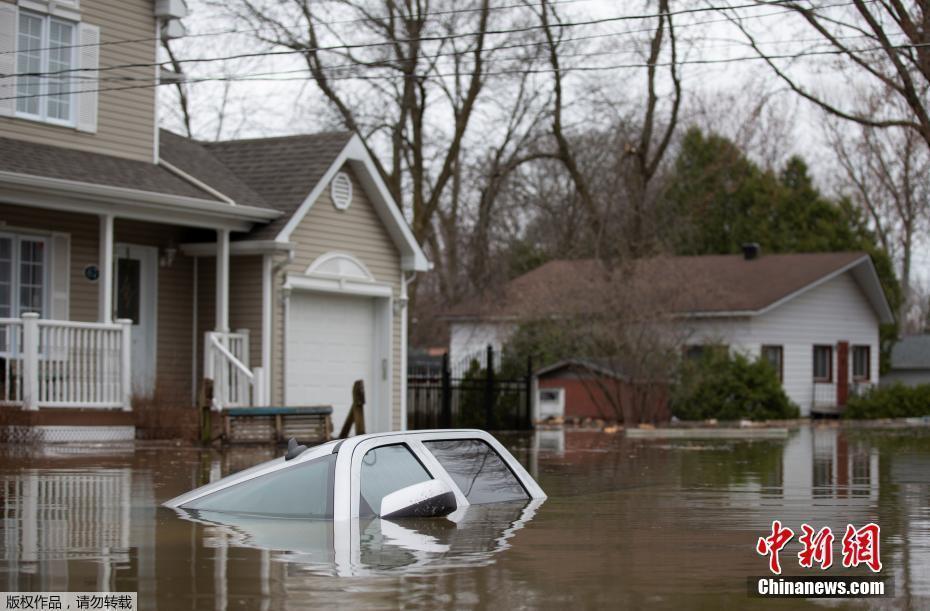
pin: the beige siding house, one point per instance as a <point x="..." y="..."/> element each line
<point x="135" y="263"/>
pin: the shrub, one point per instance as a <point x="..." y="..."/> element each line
<point x="729" y="387"/>
<point x="894" y="401"/>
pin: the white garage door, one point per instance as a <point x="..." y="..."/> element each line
<point x="329" y="344"/>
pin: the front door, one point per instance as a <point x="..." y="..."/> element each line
<point x="135" y="297"/>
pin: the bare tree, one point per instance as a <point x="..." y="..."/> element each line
<point x="888" y="172"/>
<point x="884" y="43"/>
<point x="647" y="141"/>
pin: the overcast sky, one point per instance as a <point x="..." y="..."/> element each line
<point x="269" y="107"/>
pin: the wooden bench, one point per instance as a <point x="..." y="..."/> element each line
<point x="310" y="424"/>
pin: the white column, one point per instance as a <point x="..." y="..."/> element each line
<point x="30" y="381"/>
<point x="105" y="281"/>
<point x="265" y="396"/>
<point x="222" y="281"/>
<point x="125" y="363"/>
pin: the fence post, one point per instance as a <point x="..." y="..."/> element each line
<point x="30" y="360"/>
<point x="446" y="396"/>
<point x="125" y="363"/>
<point x="528" y="422"/>
<point x="489" y="389"/>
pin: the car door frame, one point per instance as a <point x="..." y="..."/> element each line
<point x="347" y="490"/>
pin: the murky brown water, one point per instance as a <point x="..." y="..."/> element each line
<point x="629" y="523"/>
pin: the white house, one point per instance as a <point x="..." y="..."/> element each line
<point x="814" y="316"/>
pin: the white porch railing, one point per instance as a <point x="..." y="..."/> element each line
<point x="56" y="363"/>
<point x="226" y="362"/>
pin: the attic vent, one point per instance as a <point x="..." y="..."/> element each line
<point x="341" y="191"/>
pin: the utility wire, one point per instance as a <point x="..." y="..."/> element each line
<point x="521" y="71"/>
<point x="384" y="43"/>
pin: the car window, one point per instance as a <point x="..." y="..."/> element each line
<point x="387" y="469"/>
<point x="303" y="490"/>
<point x="477" y="470"/>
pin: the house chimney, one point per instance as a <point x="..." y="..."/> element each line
<point x="750" y="250"/>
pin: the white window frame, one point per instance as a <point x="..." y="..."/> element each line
<point x="44" y="44"/>
<point x="17" y="238"/>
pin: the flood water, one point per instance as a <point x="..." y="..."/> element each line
<point x="628" y="523"/>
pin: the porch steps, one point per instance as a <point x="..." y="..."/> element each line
<point x="277" y="424"/>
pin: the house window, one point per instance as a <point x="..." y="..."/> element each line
<point x="775" y="356"/>
<point x="23" y="275"/>
<point x="861" y="363"/>
<point x="823" y="363"/>
<point x="45" y="45"/>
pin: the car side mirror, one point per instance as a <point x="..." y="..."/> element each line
<point x="429" y="499"/>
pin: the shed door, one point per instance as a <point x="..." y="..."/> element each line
<point x="330" y="343"/>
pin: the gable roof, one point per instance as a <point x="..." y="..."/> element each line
<point x="710" y="285"/>
<point x="281" y="170"/>
<point x="287" y="174"/>
<point x="911" y="352"/>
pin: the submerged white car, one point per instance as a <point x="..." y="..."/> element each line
<point x="386" y="475"/>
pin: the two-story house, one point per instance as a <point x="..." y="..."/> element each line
<point x="135" y="263"/>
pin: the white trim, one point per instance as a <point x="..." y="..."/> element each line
<point x="54" y="7"/>
<point x="346" y="182"/>
<point x="241" y="247"/>
<point x="149" y="257"/>
<point x="884" y="312"/>
<point x="46" y="238"/>
<point x="130" y="203"/>
<point x="314" y="269"/>
<point x="105" y="260"/>
<point x="221" y="305"/>
<point x="266" y="326"/>
<point x="403" y="347"/>
<point x="412" y="257"/>
<point x="196" y="182"/>
<point x="45" y="13"/>
<point x="337" y="285"/>
<point x="156" y="137"/>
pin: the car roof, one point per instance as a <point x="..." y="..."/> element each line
<point x="312" y="453"/>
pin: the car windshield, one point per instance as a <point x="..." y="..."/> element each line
<point x="304" y="490"/>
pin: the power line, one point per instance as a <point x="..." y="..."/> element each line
<point x="386" y="43"/>
<point x="512" y="58"/>
<point x="522" y="71"/>
<point x="295" y="25"/>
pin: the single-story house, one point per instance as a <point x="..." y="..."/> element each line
<point x="910" y="361"/>
<point x="579" y="389"/>
<point x="814" y="316"/>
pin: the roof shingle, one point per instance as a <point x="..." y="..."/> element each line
<point x="697" y="284"/>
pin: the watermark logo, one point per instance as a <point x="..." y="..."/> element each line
<point x="860" y="546"/>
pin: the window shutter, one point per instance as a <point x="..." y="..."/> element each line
<point x="61" y="276"/>
<point x="88" y="62"/>
<point x="7" y="58"/>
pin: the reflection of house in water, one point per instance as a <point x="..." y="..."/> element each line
<point x="822" y="462"/>
<point x="55" y="522"/>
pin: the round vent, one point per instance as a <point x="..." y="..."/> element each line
<point x="341" y="191"/>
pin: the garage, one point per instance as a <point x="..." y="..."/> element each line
<point x="331" y="340"/>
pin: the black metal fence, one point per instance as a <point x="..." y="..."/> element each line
<point x="478" y="393"/>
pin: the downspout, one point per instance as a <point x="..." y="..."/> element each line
<point x="404" y="282"/>
<point x="273" y="270"/>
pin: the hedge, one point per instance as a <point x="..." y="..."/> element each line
<point x="893" y="401"/>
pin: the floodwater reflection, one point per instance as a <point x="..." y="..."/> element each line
<point x="468" y="537"/>
<point x="628" y="522"/>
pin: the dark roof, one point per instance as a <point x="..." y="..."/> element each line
<point x="698" y="284"/>
<point x="194" y="159"/>
<point x="912" y="352"/>
<point x="50" y="161"/>
<point x="605" y="367"/>
<point x="282" y="170"/>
